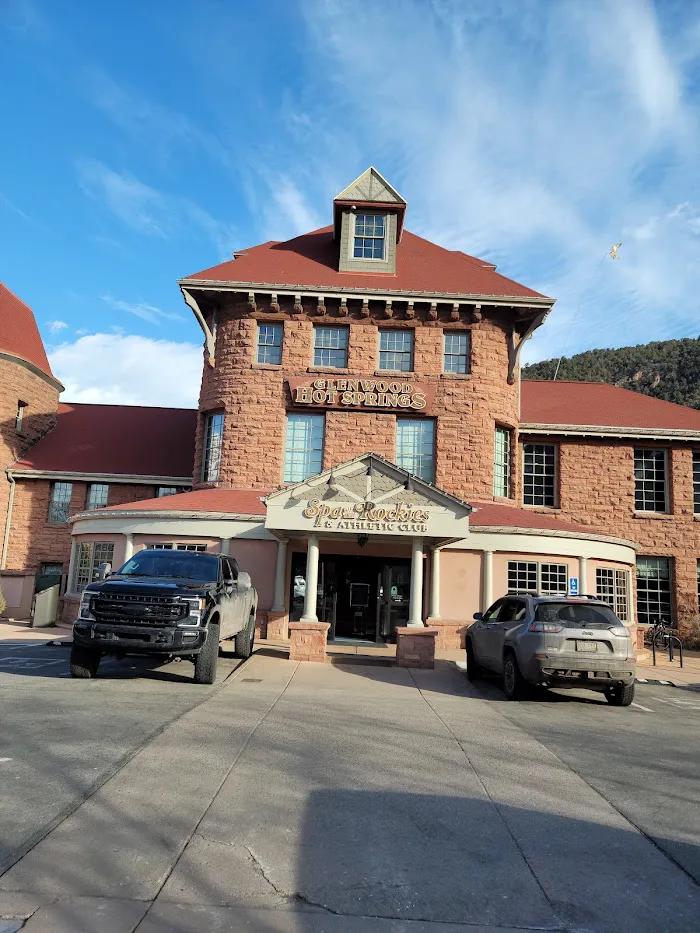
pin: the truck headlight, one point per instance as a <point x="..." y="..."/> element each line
<point x="196" y="608"/>
<point x="84" y="612"/>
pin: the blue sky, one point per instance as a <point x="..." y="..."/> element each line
<point x="146" y="140"/>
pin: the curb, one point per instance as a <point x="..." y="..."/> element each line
<point x="655" y="682"/>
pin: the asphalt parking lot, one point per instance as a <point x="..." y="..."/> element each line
<point x="61" y="738"/>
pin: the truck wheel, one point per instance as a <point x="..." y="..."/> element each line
<point x="620" y="694"/>
<point x="514" y="686"/>
<point x="243" y="641"/>
<point x="474" y="671"/>
<point x="84" y="662"/>
<point x="205" y="661"/>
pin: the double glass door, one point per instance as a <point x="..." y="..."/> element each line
<point x="362" y="598"/>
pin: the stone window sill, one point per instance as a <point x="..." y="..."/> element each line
<point x="266" y="366"/>
<point x="544" y="509"/>
<point x="394" y="372"/>
<point x="657" y="516"/>
<point x="455" y="375"/>
<point x="505" y="500"/>
<point x="328" y="370"/>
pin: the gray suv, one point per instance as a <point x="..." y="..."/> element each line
<point x="557" y="641"/>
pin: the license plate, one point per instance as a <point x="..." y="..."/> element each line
<point x="587" y="646"/>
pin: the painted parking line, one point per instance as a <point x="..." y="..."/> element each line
<point x="645" y="708"/>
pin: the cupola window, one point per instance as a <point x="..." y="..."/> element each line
<point x="370" y="232"/>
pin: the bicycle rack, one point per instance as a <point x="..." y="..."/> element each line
<point x="671" y="640"/>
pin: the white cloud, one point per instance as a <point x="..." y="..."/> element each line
<point x="142" y="310"/>
<point x="56" y="326"/>
<point x="148" y="210"/>
<point x="129" y="370"/>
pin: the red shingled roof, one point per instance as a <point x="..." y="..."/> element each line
<point x="235" y="501"/>
<point x="494" y="514"/>
<point x="121" y="439"/>
<point x="311" y="261"/>
<point x="599" y="404"/>
<point x="19" y="334"/>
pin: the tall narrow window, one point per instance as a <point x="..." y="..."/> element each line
<point x="456" y="352"/>
<point x="97" y="496"/>
<point x="396" y="350"/>
<point x="331" y="347"/>
<point x="370" y="231"/>
<point x="650" y="480"/>
<point x="19" y="416"/>
<point x="501" y="462"/>
<point x="88" y="560"/>
<point x="213" y="439"/>
<point x="59" y="509"/>
<point x="270" y="343"/>
<point x="415" y="446"/>
<point x="303" y="449"/>
<point x="539" y="474"/>
<point x="653" y="590"/>
<point x="696" y="481"/>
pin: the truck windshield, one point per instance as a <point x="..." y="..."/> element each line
<point x="181" y="565"/>
<point x="576" y="615"/>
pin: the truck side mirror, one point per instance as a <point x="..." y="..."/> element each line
<point x="478" y="616"/>
<point x="103" y="571"/>
<point x="244" y="582"/>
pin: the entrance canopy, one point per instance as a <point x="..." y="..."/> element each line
<point x="368" y="497"/>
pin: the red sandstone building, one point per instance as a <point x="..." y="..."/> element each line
<point x="364" y="446"/>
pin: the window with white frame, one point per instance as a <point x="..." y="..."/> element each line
<point x="331" y="347"/>
<point x="696" y="481"/>
<point x="303" y="448"/>
<point x="160" y="547"/>
<point x="501" y="462"/>
<point x="97" y="495"/>
<point x="415" y="446"/>
<point x="650" y="480"/>
<point x="198" y="548"/>
<point x="59" y="508"/>
<point x="539" y="474"/>
<point x="612" y="586"/>
<point x="213" y="441"/>
<point x="456" y="352"/>
<point x="369" y="236"/>
<point x="270" y="343"/>
<point x="88" y="559"/>
<point x="653" y="590"/>
<point x="166" y="491"/>
<point x="396" y="350"/>
<point x="529" y="576"/>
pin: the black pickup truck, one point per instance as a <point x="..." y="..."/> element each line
<point x="169" y="604"/>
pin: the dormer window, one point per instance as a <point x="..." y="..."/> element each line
<point x="370" y="232"/>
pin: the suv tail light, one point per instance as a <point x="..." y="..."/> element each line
<point x="550" y="627"/>
<point x="620" y="630"/>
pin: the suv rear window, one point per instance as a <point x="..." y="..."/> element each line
<point x="576" y="615"/>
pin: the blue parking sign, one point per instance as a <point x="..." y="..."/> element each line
<point x="573" y="586"/>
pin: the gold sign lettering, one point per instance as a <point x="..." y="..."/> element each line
<point x="360" y="393"/>
<point x="366" y="516"/>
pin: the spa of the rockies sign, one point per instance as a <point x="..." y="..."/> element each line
<point x="361" y="393"/>
<point x="367" y="516"/>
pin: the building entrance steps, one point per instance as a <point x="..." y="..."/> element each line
<point x="303" y="791"/>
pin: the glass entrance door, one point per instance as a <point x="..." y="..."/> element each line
<point x="393" y="599"/>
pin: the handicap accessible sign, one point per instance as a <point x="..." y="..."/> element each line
<point x="573" y="586"/>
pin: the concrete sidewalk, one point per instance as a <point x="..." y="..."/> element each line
<point x="671" y="671"/>
<point x="347" y="797"/>
<point x="23" y="632"/>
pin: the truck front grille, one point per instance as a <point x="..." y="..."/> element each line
<point x="125" y="608"/>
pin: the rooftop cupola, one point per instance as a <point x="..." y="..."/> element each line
<point x="368" y="221"/>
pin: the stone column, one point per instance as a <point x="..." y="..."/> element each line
<point x="487" y="567"/>
<point x="582" y="575"/>
<point x="415" y="606"/>
<point x="311" y="581"/>
<point x="280" y="574"/>
<point x="435" y="585"/>
<point x="128" y="547"/>
<point x="71" y="566"/>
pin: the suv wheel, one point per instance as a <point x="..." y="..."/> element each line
<point x="514" y="686"/>
<point x="205" y="661"/>
<point x="84" y="662"/>
<point x="620" y="694"/>
<point x="244" y="640"/>
<point x="474" y="671"/>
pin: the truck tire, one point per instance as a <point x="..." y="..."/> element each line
<point x="514" y="686"/>
<point x="620" y="694"/>
<point x="84" y="662"/>
<point x="474" y="671"/>
<point x="205" y="662"/>
<point x="244" y="640"/>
